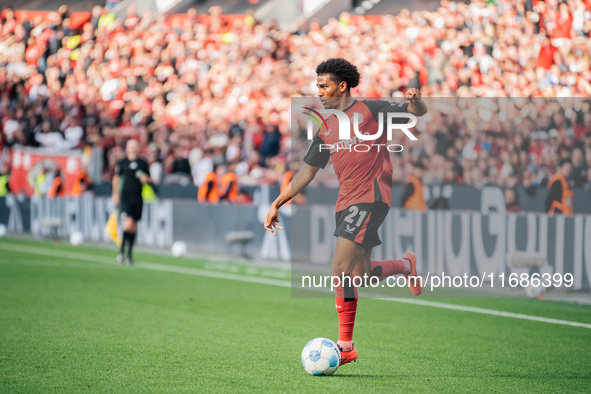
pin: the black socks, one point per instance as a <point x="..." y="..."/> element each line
<point x="128" y="237"/>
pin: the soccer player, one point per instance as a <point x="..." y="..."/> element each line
<point x="365" y="180"/>
<point x="131" y="174"/>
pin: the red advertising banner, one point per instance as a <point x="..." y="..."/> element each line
<point x="28" y="163"/>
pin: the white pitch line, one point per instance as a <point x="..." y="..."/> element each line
<point x="484" y="311"/>
<point x="150" y="266"/>
<point x="282" y="283"/>
<point x="34" y="263"/>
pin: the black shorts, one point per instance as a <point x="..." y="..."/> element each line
<point x="132" y="209"/>
<point x="360" y="223"/>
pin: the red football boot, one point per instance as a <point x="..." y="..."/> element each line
<point x="415" y="285"/>
<point x="347" y="357"/>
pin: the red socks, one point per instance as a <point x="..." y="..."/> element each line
<point x="346" y="297"/>
<point x="385" y="268"/>
<point x="346" y="302"/>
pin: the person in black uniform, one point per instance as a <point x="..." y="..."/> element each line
<point x="131" y="174"/>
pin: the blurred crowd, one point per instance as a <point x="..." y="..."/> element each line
<point x="501" y="141"/>
<point x="207" y="90"/>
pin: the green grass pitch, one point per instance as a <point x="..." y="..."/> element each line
<point x="71" y="321"/>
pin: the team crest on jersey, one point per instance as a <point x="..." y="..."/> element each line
<point x="133" y="165"/>
<point x="359" y="116"/>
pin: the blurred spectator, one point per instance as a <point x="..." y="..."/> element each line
<point x="243" y="198"/>
<point x="11" y="126"/>
<point x="203" y="168"/>
<point x="512" y="200"/>
<point x="82" y="183"/>
<point x="41" y="181"/>
<point x="223" y="86"/>
<point x="209" y="190"/>
<point x="180" y="165"/>
<point x="50" y="139"/>
<point x="73" y="132"/>
<point x="579" y="173"/>
<point x="4" y="179"/>
<point x="271" y="143"/>
<point x="560" y="195"/>
<point x="57" y="188"/>
<point x="412" y="197"/>
<point x="156" y="169"/>
<point x="229" y="185"/>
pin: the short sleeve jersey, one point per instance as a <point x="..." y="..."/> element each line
<point x="365" y="175"/>
<point x="130" y="172"/>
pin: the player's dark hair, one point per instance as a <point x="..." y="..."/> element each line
<point x="341" y="70"/>
<point x="565" y="161"/>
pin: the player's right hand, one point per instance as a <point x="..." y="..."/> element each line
<point x="272" y="219"/>
<point x="115" y="200"/>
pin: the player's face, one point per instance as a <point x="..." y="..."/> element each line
<point x="132" y="149"/>
<point x="329" y="91"/>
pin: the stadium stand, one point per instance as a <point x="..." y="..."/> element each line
<point x="215" y="88"/>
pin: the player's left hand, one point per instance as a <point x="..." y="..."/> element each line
<point x="272" y="219"/>
<point x="144" y="178"/>
<point x="413" y="94"/>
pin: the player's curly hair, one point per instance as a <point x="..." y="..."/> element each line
<point x="341" y="70"/>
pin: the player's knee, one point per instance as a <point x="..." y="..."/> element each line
<point x="129" y="225"/>
<point x="340" y="267"/>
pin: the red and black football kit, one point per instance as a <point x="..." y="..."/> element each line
<point x="365" y="175"/>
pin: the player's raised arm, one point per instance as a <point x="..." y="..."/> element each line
<point x="417" y="106"/>
<point x="301" y="179"/>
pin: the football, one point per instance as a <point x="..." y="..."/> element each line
<point x="534" y="292"/>
<point x="178" y="249"/>
<point x="320" y="357"/>
<point x="77" y="238"/>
